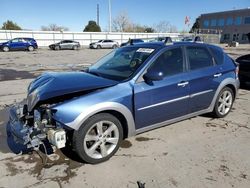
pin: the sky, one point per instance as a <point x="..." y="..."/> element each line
<point x="75" y="14"/>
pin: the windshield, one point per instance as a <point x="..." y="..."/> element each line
<point x="120" y="64"/>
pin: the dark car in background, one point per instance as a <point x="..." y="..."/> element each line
<point x="65" y="45"/>
<point x="19" y="44"/>
<point x="104" y="44"/>
<point x="132" y="41"/>
<point x="244" y="71"/>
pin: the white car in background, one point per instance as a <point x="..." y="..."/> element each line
<point x="104" y="44"/>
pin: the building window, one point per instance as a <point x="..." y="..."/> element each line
<point x="229" y="21"/>
<point x="221" y="22"/>
<point x="237" y="21"/>
<point x="247" y="20"/>
<point x="213" y="22"/>
<point x="206" y="23"/>
<point x="244" y="37"/>
<point x="226" y="36"/>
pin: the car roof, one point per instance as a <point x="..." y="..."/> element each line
<point x="162" y="44"/>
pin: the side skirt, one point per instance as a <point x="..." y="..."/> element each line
<point x="161" y="124"/>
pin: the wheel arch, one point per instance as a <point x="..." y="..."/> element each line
<point x="121" y="112"/>
<point x="228" y="82"/>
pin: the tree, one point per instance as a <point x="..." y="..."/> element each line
<point x="54" y="27"/>
<point x="9" y="25"/>
<point x="162" y="27"/>
<point x="149" y="30"/>
<point x="92" y="27"/>
<point x="122" y="23"/>
<point x="196" y="25"/>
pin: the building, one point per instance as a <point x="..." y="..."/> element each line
<point x="233" y="25"/>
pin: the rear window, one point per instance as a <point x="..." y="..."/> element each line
<point x="218" y="55"/>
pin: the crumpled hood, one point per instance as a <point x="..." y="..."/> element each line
<point x="52" y="85"/>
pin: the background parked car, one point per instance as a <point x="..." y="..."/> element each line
<point x="104" y="44"/>
<point x="65" y="44"/>
<point x="19" y="44"/>
<point x="131" y="41"/>
<point x="244" y="72"/>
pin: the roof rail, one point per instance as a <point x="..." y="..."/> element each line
<point x="168" y="40"/>
<point x="198" y="39"/>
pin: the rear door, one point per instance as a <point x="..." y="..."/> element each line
<point x="165" y="99"/>
<point x="204" y="77"/>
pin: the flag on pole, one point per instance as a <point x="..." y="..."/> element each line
<point x="187" y="20"/>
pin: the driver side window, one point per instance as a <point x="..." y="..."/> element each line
<point x="169" y="63"/>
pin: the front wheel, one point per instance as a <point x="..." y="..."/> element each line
<point x="98" y="138"/>
<point x="224" y="102"/>
<point x="6" y="49"/>
<point x="57" y="47"/>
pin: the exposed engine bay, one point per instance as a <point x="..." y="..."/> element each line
<point x="35" y="127"/>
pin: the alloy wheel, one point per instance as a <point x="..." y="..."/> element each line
<point x="101" y="139"/>
<point x="225" y="102"/>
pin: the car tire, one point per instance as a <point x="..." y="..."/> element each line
<point x="31" y="48"/>
<point x="57" y="47"/>
<point x="224" y="102"/>
<point x="75" y="48"/>
<point x="98" y="138"/>
<point x="114" y="46"/>
<point x="98" y="47"/>
<point x="6" y="49"/>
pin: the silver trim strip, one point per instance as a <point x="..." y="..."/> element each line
<point x="174" y="100"/>
<point x="201" y="93"/>
<point x="165" y="102"/>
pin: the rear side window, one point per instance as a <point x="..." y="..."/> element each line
<point x="198" y="57"/>
<point x="218" y="55"/>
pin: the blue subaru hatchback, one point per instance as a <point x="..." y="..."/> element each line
<point x="19" y="44"/>
<point x="129" y="91"/>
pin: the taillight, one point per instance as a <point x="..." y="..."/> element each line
<point x="237" y="69"/>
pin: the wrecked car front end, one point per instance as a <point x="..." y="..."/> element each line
<point x="32" y="122"/>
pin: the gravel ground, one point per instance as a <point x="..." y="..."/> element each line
<point x="198" y="152"/>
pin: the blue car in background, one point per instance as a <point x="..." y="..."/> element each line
<point x="29" y="44"/>
<point x="131" y="90"/>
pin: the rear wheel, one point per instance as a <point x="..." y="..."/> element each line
<point x="75" y="47"/>
<point x="114" y="46"/>
<point x="6" y="49"/>
<point x="98" y="138"/>
<point x="31" y="48"/>
<point x="224" y="102"/>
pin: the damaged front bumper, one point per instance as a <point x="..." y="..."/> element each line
<point x="30" y="134"/>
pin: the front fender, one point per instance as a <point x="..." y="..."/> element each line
<point x="104" y="107"/>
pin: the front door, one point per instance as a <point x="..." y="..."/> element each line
<point x="165" y="99"/>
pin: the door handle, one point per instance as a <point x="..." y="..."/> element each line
<point x="183" y="83"/>
<point x="217" y="75"/>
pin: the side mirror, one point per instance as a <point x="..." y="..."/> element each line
<point x="153" y="76"/>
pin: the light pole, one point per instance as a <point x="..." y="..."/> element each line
<point x="109" y="16"/>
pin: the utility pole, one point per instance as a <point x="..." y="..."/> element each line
<point x="97" y="14"/>
<point x="109" y="16"/>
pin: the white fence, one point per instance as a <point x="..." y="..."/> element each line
<point x="45" y="38"/>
